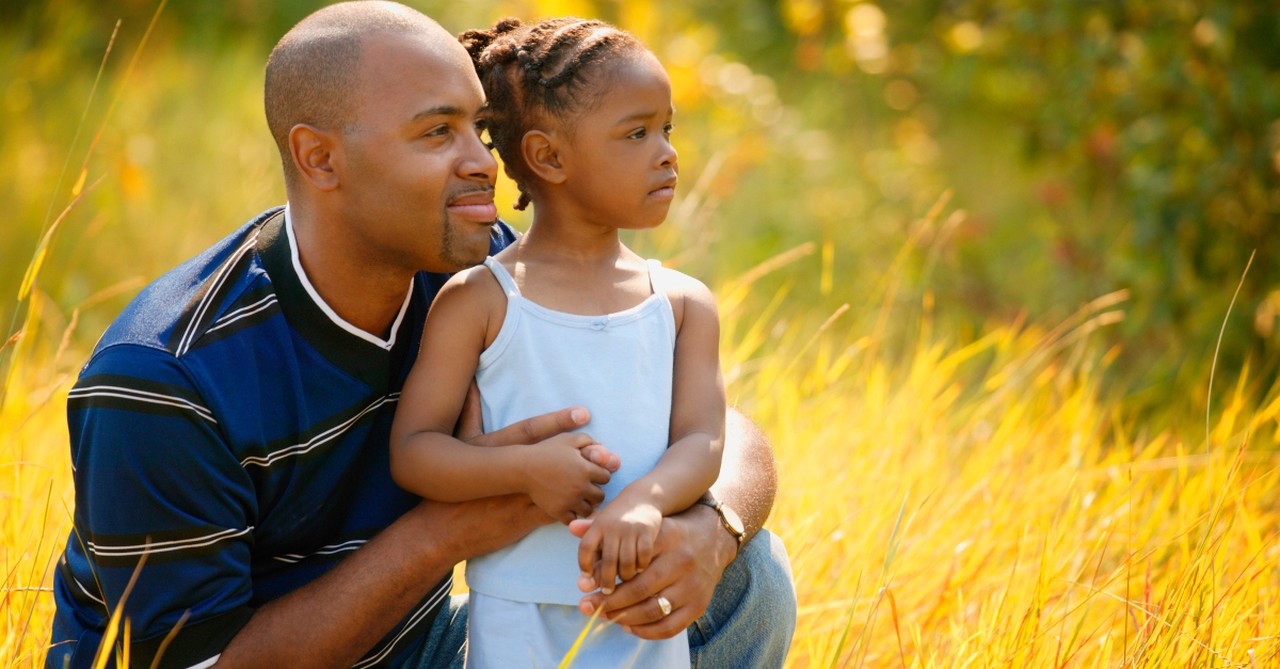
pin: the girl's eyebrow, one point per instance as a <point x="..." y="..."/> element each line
<point x="641" y="116"/>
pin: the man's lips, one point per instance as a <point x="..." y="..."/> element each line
<point x="474" y="206"/>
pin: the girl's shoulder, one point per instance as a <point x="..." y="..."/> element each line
<point x="473" y="288"/>
<point x="477" y="278"/>
<point x="689" y="297"/>
<point x="679" y="285"/>
<point x="472" y="296"/>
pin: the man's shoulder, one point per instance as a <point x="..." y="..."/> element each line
<point x="183" y="305"/>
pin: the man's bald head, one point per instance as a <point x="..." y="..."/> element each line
<point x="312" y="74"/>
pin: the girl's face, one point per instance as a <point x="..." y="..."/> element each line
<point x="619" y="164"/>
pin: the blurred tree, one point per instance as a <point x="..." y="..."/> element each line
<point x="1164" y="117"/>
<point x="1152" y="130"/>
<point x="1093" y="145"/>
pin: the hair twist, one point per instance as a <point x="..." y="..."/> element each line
<point x="533" y="73"/>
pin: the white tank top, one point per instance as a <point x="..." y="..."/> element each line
<point x="617" y="365"/>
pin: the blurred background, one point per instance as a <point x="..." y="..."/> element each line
<point x="1076" y="149"/>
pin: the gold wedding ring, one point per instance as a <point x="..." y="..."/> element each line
<point x="664" y="605"/>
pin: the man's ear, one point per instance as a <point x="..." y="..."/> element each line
<point x="541" y="152"/>
<point x="316" y="153"/>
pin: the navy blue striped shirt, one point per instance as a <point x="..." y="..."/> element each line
<point x="227" y="429"/>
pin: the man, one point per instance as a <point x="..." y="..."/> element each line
<point x="229" y="433"/>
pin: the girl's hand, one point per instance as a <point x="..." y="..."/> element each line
<point x="619" y="544"/>
<point x="562" y="480"/>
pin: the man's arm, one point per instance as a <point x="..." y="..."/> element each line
<point x="188" y="516"/>
<point x="335" y="619"/>
<point x="751" y="489"/>
<point x="693" y="548"/>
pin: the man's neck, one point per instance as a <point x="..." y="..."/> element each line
<point x="368" y="304"/>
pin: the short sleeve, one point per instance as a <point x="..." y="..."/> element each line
<point x="160" y="496"/>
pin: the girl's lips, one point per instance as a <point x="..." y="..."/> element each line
<point x="664" y="193"/>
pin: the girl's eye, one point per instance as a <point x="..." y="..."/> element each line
<point x="666" y="129"/>
<point x="638" y="133"/>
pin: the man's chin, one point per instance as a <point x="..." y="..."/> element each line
<point x="462" y="259"/>
<point x="462" y="251"/>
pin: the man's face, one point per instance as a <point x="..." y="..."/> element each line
<point x="620" y="162"/>
<point x="417" y="181"/>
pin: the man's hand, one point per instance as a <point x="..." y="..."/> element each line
<point x="470" y="429"/>
<point x="691" y="552"/>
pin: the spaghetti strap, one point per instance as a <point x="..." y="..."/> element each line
<point x="503" y="276"/>
<point x="656" y="284"/>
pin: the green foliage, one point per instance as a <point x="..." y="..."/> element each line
<point x="1162" y="120"/>
<point x="1093" y="146"/>
<point x="1087" y="147"/>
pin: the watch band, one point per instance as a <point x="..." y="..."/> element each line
<point x="728" y="518"/>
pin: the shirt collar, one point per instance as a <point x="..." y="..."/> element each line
<point x="385" y="344"/>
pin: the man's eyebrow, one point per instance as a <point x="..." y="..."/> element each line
<point x="442" y="110"/>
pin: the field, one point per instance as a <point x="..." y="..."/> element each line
<point x="973" y="489"/>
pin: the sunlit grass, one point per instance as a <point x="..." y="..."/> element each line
<point x="35" y="488"/>
<point x="945" y="504"/>
<point x="986" y="504"/>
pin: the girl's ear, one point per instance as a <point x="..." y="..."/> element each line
<point x="541" y="153"/>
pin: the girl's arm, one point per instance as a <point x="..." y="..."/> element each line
<point x="623" y="533"/>
<point x="427" y="460"/>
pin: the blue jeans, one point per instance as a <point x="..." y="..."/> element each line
<point x="748" y="624"/>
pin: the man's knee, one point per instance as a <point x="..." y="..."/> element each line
<point x="768" y="567"/>
<point x="752" y="615"/>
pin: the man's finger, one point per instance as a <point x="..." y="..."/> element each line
<point x="666" y="626"/>
<point x="538" y="428"/>
<point x="630" y="593"/>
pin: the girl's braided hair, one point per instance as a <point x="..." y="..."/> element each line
<point x="535" y="71"/>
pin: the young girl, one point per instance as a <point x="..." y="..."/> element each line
<point x="568" y="315"/>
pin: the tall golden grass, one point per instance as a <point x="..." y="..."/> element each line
<point x="984" y="503"/>
<point x="951" y="504"/>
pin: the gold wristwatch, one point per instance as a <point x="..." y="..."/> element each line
<point x="729" y="518"/>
